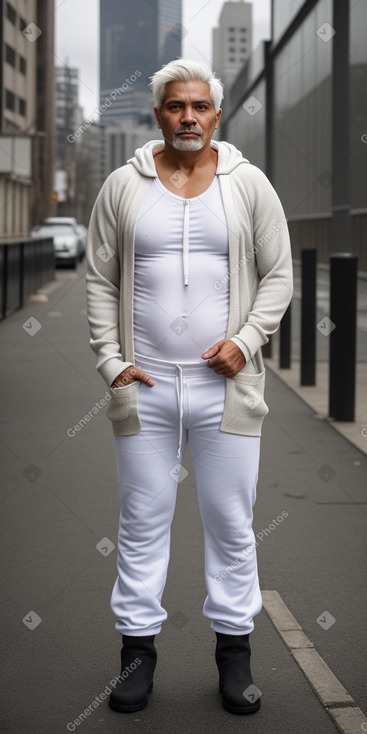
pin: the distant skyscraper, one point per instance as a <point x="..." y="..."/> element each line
<point x="232" y="40"/>
<point x="136" y="38"/>
<point x="69" y="114"/>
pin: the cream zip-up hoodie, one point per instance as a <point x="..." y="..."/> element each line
<point x="259" y="275"/>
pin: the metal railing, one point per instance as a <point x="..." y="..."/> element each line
<point x="25" y="265"/>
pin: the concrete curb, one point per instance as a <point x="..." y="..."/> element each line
<point x="341" y="707"/>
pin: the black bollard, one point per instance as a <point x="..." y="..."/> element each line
<point x="343" y="317"/>
<point x="308" y="317"/>
<point x="285" y="340"/>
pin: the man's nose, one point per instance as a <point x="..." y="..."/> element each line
<point x="188" y="116"/>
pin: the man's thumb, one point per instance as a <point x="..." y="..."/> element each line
<point x="214" y="349"/>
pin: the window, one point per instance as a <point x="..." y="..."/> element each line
<point x="22" y="24"/>
<point x="231" y="39"/>
<point x="232" y="50"/>
<point x="10" y="100"/>
<point x="243" y="49"/>
<point x="22" y="65"/>
<point x="11" y="14"/>
<point x="22" y="107"/>
<point x="10" y="55"/>
<point x="231" y="30"/>
<point x="243" y="30"/>
<point x="231" y="59"/>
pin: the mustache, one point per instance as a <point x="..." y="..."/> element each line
<point x="189" y="129"/>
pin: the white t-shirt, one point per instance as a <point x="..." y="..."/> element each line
<point x="181" y="250"/>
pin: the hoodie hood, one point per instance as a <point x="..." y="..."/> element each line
<point x="228" y="157"/>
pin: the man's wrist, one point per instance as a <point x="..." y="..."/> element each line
<point x="242" y="346"/>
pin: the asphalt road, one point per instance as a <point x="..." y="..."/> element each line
<point x="59" y="647"/>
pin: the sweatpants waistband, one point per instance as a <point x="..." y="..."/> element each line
<point x="165" y="367"/>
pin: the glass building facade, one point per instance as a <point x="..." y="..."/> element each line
<point x="302" y="117"/>
<point x="281" y="117"/>
<point x="137" y="36"/>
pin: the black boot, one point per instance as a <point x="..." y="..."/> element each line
<point x="138" y="661"/>
<point x="232" y="655"/>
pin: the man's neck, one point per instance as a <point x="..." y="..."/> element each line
<point x="170" y="158"/>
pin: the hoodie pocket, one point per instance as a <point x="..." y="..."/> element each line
<point x="123" y="402"/>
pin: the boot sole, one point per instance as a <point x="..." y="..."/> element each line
<point x="238" y="709"/>
<point x="241" y="711"/>
<point x="133" y="707"/>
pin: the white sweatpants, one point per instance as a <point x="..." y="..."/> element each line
<point x="185" y="404"/>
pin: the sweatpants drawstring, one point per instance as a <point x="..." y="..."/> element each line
<point x="179" y="390"/>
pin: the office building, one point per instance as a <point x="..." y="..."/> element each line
<point x="78" y="175"/>
<point x="26" y="113"/>
<point x="69" y="114"/>
<point x="120" y="141"/>
<point x="136" y="39"/>
<point x="232" y="40"/>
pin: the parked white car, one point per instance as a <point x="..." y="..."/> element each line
<point x="68" y="239"/>
<point x="83" y="234"/>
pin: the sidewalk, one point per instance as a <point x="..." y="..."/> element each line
<point x="59" y="510"/>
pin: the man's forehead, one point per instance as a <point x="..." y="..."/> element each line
<point x="192" y="89"/>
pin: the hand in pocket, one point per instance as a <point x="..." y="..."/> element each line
<point x="130" y="375"/>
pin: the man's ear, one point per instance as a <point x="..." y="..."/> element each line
<point x="157" y="116"/>
<point x="218" y="116"/>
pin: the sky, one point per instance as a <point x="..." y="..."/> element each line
<point x="77" y="37"/>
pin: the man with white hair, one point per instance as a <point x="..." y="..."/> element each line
<point x="188" y="272"/>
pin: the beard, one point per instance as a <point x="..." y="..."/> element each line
<point x="187" y="145"/>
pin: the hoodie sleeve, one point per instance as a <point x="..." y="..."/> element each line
<point x="271" y="248"/>
<point x="103" y="283"/>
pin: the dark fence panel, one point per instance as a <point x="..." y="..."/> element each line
<point x="13" y="278"/>
<point x="25" y="265"/>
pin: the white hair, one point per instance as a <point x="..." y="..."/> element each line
<point x="182" y="70"/>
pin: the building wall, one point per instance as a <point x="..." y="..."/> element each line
<point x="20" y="70"/>
<point x="283" y="12"/>
<point x="289" y="133"/>
<point x="302" y="117"/>
<point x="26" y="85"/>
<point x="41" y="205"/>
<point x="358" y="106"/>
<point x="247" y="132"/>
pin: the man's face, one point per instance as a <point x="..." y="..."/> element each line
<point x="187" y="116"/>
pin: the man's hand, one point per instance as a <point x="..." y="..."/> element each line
<point x="225" y="357"/>
<point x="130" y="375"/>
